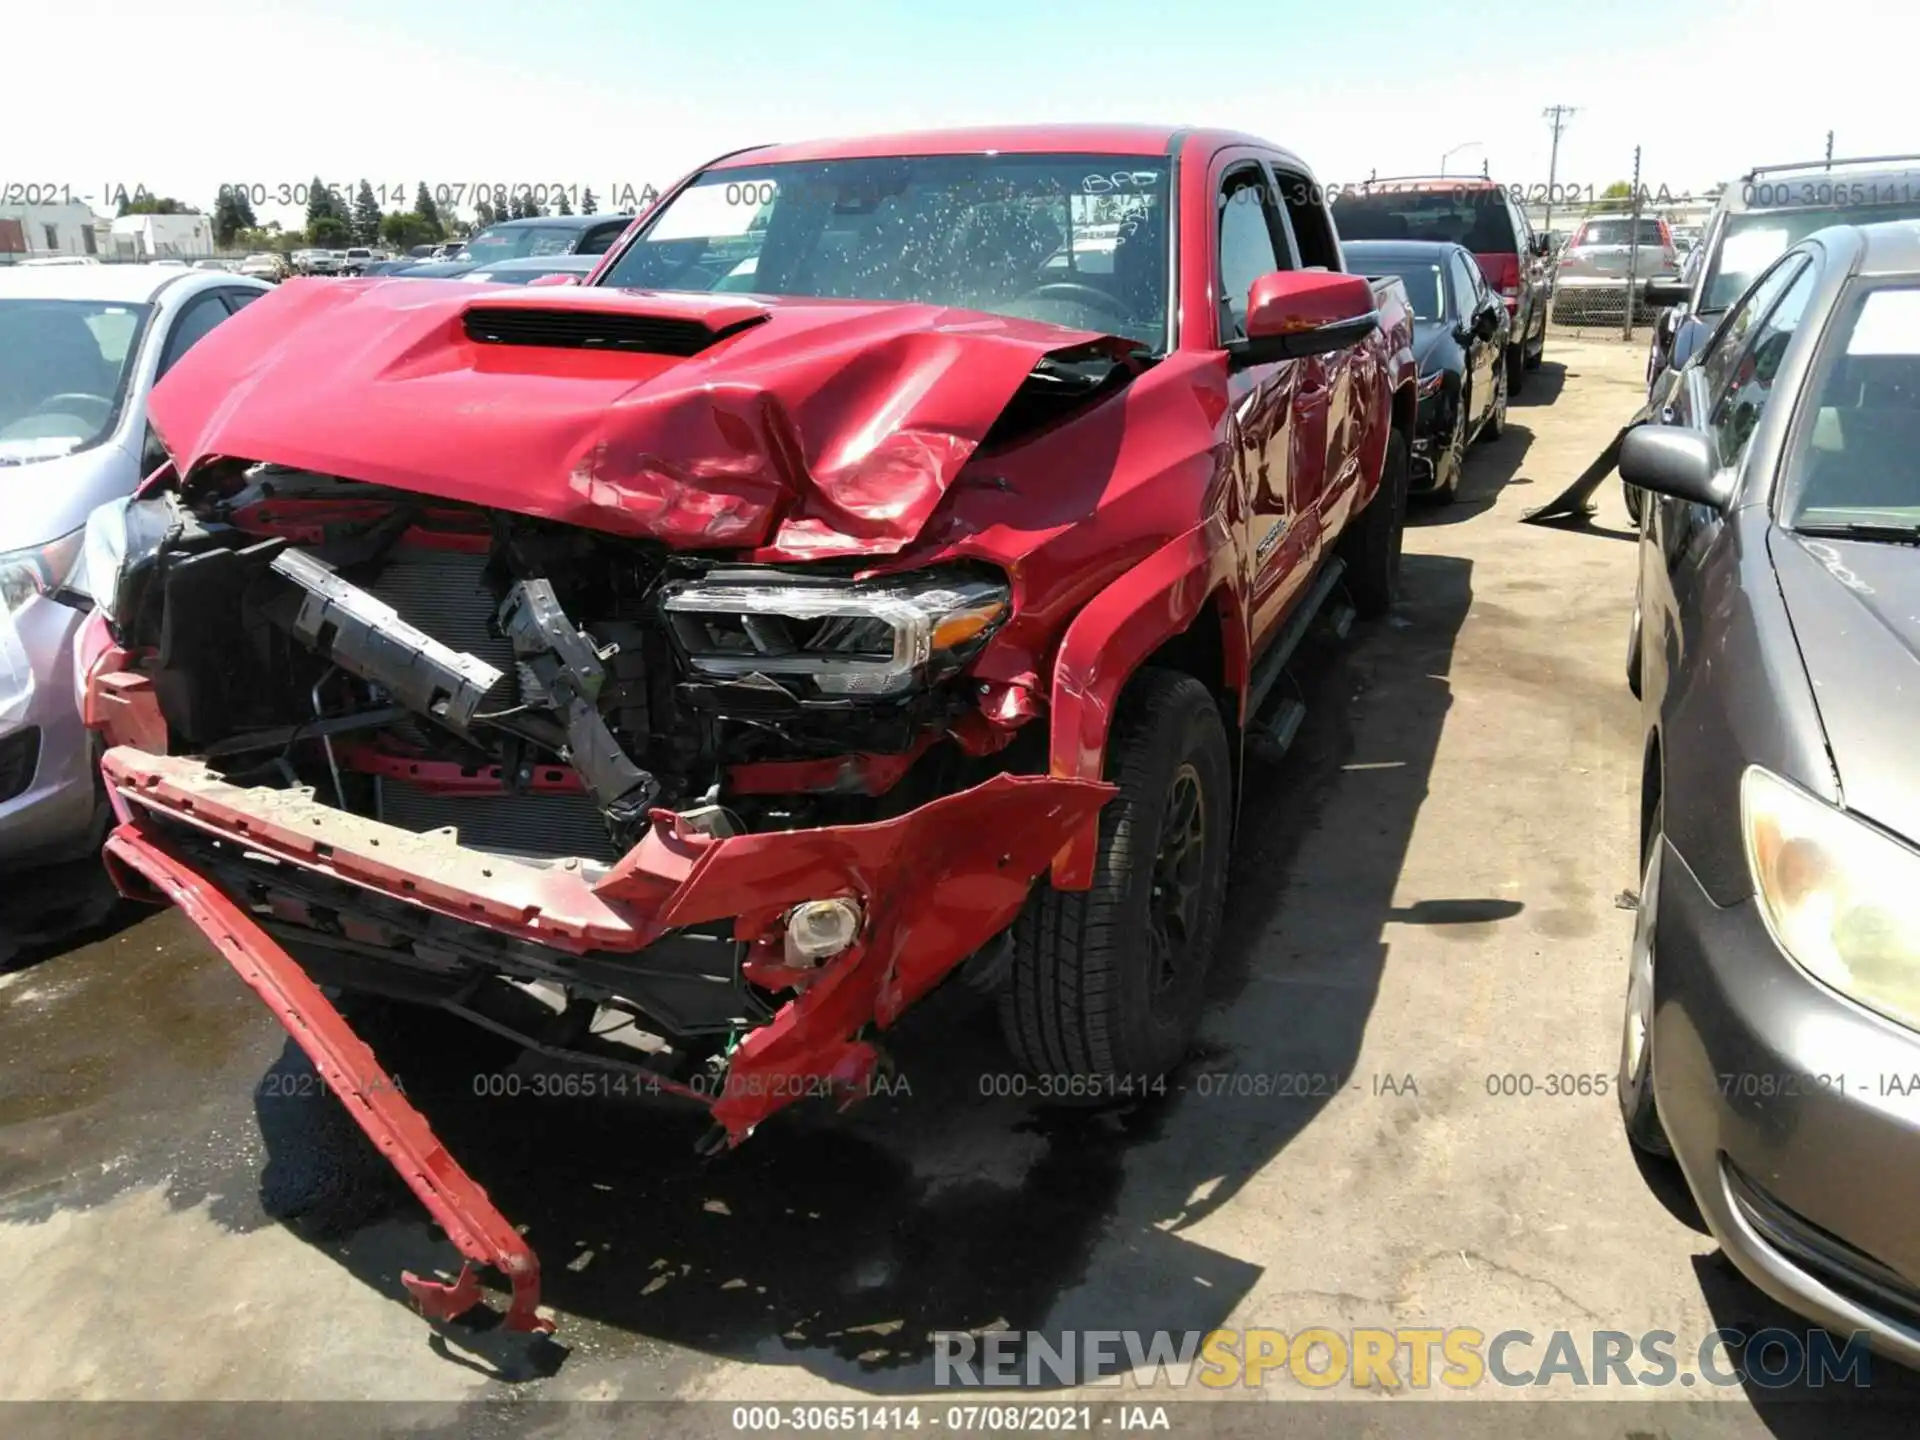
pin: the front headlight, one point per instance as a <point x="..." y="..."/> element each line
<point x="1840" y="897"/>
<point x="104" y="551"/>
<point x="876" y="638"/>
<point x="37" y="570"/>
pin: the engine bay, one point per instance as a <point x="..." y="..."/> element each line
<point x="538" y="687"/>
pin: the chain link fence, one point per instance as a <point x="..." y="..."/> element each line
<point x="1606" y="248"/>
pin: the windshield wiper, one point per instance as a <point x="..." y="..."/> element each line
<point x="1863" y="530"/>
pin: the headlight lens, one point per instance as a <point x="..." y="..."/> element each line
<point x="1430" y="384"/>
<point x="36" y="570"/>
<point x="845" y="639"/>
<point x="1841" y="898"/>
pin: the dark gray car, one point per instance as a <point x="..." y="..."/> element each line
<point x="1772" y="1035"/>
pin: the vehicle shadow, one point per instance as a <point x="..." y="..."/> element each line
<point x="1491" y="466"/>
<point x="958" y="1202"/>
<point x="1543" y="386"/>
<point x="1880" y="1398"/>
<point x="57" y="908"/>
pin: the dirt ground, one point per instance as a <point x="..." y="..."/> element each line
<point x="1428" y="899"/>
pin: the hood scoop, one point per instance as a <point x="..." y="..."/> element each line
<point x="580" y="329"/>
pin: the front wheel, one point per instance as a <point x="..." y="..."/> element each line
<point x="1638" y="1110"/>
<point x="1107" y="985"/>
<point x="1496" y="422"/>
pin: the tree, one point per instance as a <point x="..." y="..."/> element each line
<point x="520" y="207"/>
<point x="1618" y="190"/>
<point x="323" y="204"/>
<point x="142" y="203"/>
<point x="483" y="212"/>
<point x="366" y="215"/>
<point x="330" y="232"/>
<point x="561" y="207"/>
<point x="232" y="214"/>
<point x="405" y="229"/>
<point x="424" y="207"/>
<point x="588" y="205"/>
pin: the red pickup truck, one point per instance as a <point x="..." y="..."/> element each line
<point x="877" y="570"/>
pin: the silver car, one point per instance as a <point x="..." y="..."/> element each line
<point x="1591" y="281"/>
<point x="80" y="349"/>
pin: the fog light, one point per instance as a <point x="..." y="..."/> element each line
<point x="820" y="929"/>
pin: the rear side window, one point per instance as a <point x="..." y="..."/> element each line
<point x="1308" y="218"/>
<point x="599" y="240"/>
<point x="1477" y="217"/>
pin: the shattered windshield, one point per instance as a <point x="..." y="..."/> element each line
<point x="1074" y="240"/>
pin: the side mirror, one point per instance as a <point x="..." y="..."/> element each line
<point x="1667" y="290"/>
<point x="559" y="279"/>
<point x="1487" y="323"/>
<point x="1292" y="314"/>
<point x="1673" y="460"/>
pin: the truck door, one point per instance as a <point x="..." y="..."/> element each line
<point x="1277" y="422"/>
<point x="1330" y="475"/>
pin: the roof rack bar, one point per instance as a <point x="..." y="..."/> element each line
<point x="1385" y="179"/>
<point x="1827" y="164"/>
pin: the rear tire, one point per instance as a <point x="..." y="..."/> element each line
<point x="1107" y="985"/>
<point x="1516" y="367"/>
<point x="1372" y="547"/>
<point x="1539" y="350"/>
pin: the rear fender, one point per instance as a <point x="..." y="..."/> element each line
<point x="1113" y="636"/>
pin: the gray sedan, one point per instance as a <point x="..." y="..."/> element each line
<point x="80" y="348"/>
<point x="1772" y="1033"/>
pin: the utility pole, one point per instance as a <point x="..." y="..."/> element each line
<point x="1829" y="149"/>
<point x="1633" y="248"/>
<point x="1558" y="115"/>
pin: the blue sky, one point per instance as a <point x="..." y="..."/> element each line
<point x="183" y="96"/>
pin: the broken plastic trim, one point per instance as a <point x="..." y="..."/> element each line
<point x="368" y="638"/>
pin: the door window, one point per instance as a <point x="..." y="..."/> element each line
<point x="1248" y="249"/>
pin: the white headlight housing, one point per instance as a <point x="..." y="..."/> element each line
<point x="844" y="638"/>
<point x="1840" y="897"/>
<point x="103" y="552"/>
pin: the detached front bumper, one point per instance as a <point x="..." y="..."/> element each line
<point x="935" y="885"/>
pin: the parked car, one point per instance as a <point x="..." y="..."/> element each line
<point x="268" y="265"/>
<point x="1591" y="281"/>
<point x="1772" y="1036"/>
<point x="80" y="348"/>
<point x="540" y="267"/>
<point x="315" y="262"/>
<point x="355" y="260"/>
<point x="1106" y="509"/>
<point x="431" y="270"/>
<point x="548" y="235"/>
<point x="44" y="261"/>
<point x="1481" y="215"/>
<point x="1755" y="220"/>
<point x="390" y="267"/>
<point x="1459" y="346"/>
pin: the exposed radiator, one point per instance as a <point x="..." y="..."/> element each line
<point x="444" y="593"/>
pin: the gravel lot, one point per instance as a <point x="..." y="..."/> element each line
<point x="1428" y="894"/>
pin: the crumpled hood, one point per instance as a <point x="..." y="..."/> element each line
<point x="1856" y="614"/>
<point x="805" y="428"/>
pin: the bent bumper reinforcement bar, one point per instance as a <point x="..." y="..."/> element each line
<point x="937" y="883"/>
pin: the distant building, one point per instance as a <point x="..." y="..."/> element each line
<point x="28" y="232"/>
<point x="154" y="237"/>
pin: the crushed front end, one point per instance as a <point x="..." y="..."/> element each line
<point x="707" y="822"/>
